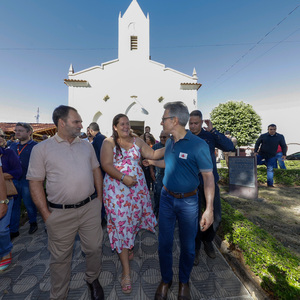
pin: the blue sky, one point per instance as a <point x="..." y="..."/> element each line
<point x="40" y="39"/>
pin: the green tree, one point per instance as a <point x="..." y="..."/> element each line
<point x="240" y="119"/>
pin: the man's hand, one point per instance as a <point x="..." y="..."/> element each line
<point x="206" y="220"/>
<point x="46" y="215"/>
<point x="146" y="162"/>
<point x="3" y="210"/>
<point x="283" y="157"/>
<point x="209" y="125"/>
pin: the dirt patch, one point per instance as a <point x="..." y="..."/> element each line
<point x="277" y="211"/>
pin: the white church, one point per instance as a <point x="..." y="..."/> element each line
<point x="132" y="84"/>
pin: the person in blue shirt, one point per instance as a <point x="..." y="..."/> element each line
<point x="185" y="156"/>
<point x="23" y="149"/>
<point x="214" y="139"/>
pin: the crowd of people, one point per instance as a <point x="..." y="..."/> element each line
<point x="80" y="184"/>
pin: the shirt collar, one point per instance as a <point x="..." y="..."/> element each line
<point x="60" y="140"/>
<point x="186" y="137"/>
<point x="29" y="142"/>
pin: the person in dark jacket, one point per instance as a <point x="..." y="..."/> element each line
<point x="12" y="169"/>
<point x="23" y="149"/>
<point x="214" y="139"/>
<point x="266" y="148"/>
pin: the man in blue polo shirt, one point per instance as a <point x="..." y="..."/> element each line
<point x="185" y="156"/>
<point x="23" y="149"/>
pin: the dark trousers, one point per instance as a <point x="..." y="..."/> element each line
<point x="210" y="233"/>
<point x="158" y="184"/>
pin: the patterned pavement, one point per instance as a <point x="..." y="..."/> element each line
<point x="28" y="276"/>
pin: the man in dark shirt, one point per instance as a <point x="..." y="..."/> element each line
<point x="214" y="139"/>
<point x="157" y="173"/>
<point x="23" y="149"/>
<point x="98" y="139"/>
<point x="265" y="150"/>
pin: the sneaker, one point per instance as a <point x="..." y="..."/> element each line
<point x="33" y="228"/>
<point x="197" y="257"/>
<point x="209" y="249"/>
<point x="14" y="235"/>
<point x="5" y="262"/>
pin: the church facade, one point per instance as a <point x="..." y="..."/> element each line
<point x="132" y="84"/>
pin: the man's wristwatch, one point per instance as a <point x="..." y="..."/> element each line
<point x="6" y="201"/>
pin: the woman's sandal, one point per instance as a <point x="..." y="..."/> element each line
<point x="130" y="254"/>
<point x="126" y="284"/>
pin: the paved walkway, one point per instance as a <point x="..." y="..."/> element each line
<point x="28" y="276"/>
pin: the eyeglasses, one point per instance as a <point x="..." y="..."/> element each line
<point x="163" y="119"/>
<point x="162" y="137"/>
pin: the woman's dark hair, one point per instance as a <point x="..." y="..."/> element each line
<point x="115" y="135"/>
<point x="151" y="137"/>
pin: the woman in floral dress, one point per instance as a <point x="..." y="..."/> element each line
<point x="125" y="194"/>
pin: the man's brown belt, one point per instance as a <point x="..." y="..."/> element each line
<point x="181" y="195"/>
<point x="77" y="205"/>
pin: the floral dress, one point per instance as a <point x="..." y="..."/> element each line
<point x="128" y="209"/>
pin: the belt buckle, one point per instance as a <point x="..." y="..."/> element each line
<point x="181" y="195"/>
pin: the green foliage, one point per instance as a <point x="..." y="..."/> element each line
<point x="267" y="258"/>
<point x="292" y="164"/>
<point x="289" y="177"/>
<point x="240" y="119"/>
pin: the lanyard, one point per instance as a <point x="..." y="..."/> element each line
<point x="19" y="152"/>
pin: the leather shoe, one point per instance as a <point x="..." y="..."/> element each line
<point x="33" y="228"/>
<point x="209" y="249"/>
<point x="96" y="289"/>
<point x="14" y="235"/>
<point x="184" y="291"/>
<point x="197" y="258"/>
<point x="162" y="291"/>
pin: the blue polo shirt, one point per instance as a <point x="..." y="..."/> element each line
<point x="23" y="152"/>
<point x="183" y="162"/>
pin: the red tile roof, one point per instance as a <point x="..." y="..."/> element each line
<point x="39" y="129"/>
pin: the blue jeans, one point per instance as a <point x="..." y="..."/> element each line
<point x="270" y="167"/>
<point x="186" y="212"/>
<point x="5" y="242"/>
<point x="210" y="233"/>
<point x="22" y="187"/>
<point x="280" y="161"/>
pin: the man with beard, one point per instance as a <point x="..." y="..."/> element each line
<point x="71" y="170"/>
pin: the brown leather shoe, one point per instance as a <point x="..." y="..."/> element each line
<point x="162" y="291"/>
<point x="184" y="291"/>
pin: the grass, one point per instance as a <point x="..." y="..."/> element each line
<point x="288" y="177"/>
<point x="277" y="268"/>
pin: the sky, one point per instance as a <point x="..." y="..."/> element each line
<point x="242" y="51"/>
